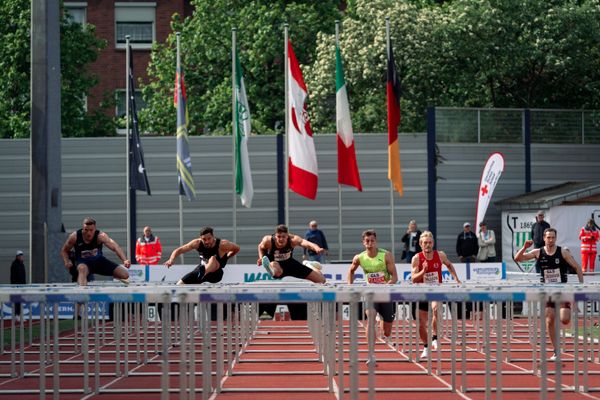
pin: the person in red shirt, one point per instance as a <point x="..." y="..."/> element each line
<point x="427" y="269"/>
<point x="589" y="235"/>
<point x="148" y="249"/>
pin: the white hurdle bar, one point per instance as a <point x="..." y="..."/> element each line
<point x="198" y="323"/>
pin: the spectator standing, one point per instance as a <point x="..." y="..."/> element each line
<point x="148" y="249"/>
<point x="411" y="241"/>
<point x="589" y="235"/>
<point x="537" y="230"/>
<point x="316" y="236"/>
<point x="466" y="244"/>
<point x="17" y="275"/>
<point x="487" y="244"/>
<point x="537" y="233"/>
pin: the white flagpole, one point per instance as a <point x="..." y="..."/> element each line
<point x="179" y="188"/>
<point x="233" y="129"/>
<point x="392" y="219"/>
<point x="127" y="136"/>
<point x="287" y="128"/>
<point x="340" y="236"/>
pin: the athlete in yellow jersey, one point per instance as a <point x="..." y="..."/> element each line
<point x="378" y="265"/>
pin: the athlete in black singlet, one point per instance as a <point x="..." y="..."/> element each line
<point x="87" y="244"/>
<point x="213" y="252"/>
<point x="553" y="262"/>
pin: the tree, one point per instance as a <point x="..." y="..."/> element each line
<point x="501" y="53"/>
<point x="206" y="60"/>
<point x="79" y="47"/>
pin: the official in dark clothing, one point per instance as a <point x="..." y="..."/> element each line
<point x="316" y="236"/>
<point x="537" y="233"/>
<point x="466" y="244"/>
<point x="17" y="275"/>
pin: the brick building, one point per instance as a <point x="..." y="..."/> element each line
<point x="144" y="21"/>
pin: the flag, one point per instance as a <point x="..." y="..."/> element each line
<point x="138" y="180"/>
<point x="302" y="157"/>
<point x="184" y="160"/>
<point x="393" y="108"/>
<point x="489" y="178"/>
<point x="347" y="167"/>
<point x="243" y="176"/>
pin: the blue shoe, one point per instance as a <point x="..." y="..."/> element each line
<point x="266" y="263"/>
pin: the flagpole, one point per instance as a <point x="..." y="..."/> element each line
<point x="392" y="218"/>
<point x="340" y="243"/>
<point x="287" y="128"/>
<point x="127" y="150"/>
<point x="233" y="131"/>
<point x="178" y="34"/>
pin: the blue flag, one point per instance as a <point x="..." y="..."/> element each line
<point x="184" y="160"/>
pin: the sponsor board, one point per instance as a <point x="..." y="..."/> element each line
<point x="516" y="229"/>
<point x="65" y="310"/>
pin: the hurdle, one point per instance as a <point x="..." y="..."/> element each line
<point x="212" y="328"/>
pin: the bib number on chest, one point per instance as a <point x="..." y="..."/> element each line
<point x="431" y="278"/>
<point x="552" y="275"/>
<point x="375" y="277"/>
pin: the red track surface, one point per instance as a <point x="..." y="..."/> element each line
<point x="281" y="361"/>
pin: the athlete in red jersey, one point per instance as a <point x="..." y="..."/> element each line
<point x="427" y="269"/>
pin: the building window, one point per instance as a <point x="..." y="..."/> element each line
<point x="77" y="11"/>
<point x="139" y="102"/>
<point x="137" y="20"/>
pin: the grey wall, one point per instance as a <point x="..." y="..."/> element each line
<point x="93" y="178"/>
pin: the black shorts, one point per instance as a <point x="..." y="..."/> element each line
<point x="423" y="306"/>
<point x="386" y="311"/>
<point x="101" y="266"/>
<point x="197" y="276"/>
<point x="293" y="267"/>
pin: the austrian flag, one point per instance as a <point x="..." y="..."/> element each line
<point x="302" y="157"/>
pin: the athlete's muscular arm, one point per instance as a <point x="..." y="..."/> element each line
<point x="66" y="249"/>
<point x="391" y="267"/>
<point x="448" y="265"/>
<point x="111" y="244"/>
<point x="569" y="258"/>
<point x="416" y="273"/>
<point x="298" y="241"/>
<point x="353" y="267"/>
<point x="193" y="245"/>
<point x="229" y="248"/>
<point x="263" y="248"/>
<point x="522" y="256"/>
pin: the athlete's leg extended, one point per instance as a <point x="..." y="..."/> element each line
<point x="316" y="277"/>
<point x="82" y="274"/>
<point x="121" y="272"/>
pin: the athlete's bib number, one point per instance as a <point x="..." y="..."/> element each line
<point x="431" y="278"/>
<point x="277" y="256"/>
<point x="552" y="275"/>
<point x="376" y="277"/>
<point x="89" y="253"/>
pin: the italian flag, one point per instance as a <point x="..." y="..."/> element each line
<point x="243" y="176"/>
<point x="347" y="167"/>
<point x="302" y="158"/>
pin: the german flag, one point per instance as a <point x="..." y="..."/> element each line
<point x="393" y="107"/>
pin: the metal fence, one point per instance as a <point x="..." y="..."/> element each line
<point x="500" y="125"/>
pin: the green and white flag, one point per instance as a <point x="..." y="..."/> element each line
<point x="243" y="176"/>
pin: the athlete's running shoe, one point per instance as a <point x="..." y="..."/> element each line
<point x="553" y="358"/>
<point x="425" y="353"/>
<point x="434" y="344"/>
<point x="266" y="263"/>
<point x="314" y="265"/>
<point x="124" y="281"/>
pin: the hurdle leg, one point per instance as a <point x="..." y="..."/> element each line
<point x="97" y="350"/>
<point x="127" y="314"/>
<point x="192" y="347"/>
<point x="56" y="356"/>
<point x="558" y="351"/>
<point x="453" y="335"/>
<point x="463" y="386"/>
<point x="13" y="344"/>
<point x="340" y="348"/>
<point x="499" y="356"/>
<point x="183" y="366"/>
<point x="543" y="355"/>
<point x="164" y="395"/>
<point x="22" y="342"/>
<point x="353" y="353"/>
<point x="85" y="348"/>
<point x="371" y="337"/>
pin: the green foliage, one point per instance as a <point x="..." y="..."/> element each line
<point x="206" y="59"/>
<point x="79" y="47"/>
<point x="501" y="53"/>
